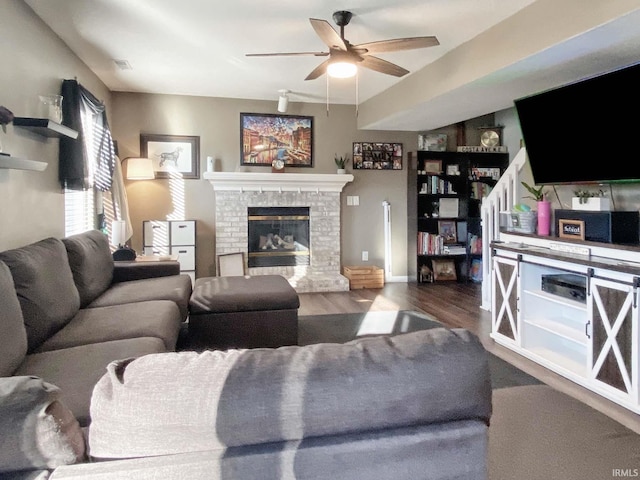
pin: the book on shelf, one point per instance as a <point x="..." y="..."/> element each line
<point x="454" y="249"/>
<point x="475" y="244"/>
<point x="430" y="244"/>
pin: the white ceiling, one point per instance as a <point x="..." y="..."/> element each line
<point x="198" y="47"/>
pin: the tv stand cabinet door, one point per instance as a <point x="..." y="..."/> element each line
<point x="614" y="354"/>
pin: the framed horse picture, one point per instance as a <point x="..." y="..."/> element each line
<point x="173" y="156"/>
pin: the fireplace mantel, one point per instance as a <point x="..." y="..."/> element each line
<point x="277" y="182"/>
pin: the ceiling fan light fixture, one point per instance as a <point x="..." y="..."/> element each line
<point x="341" y="69"/>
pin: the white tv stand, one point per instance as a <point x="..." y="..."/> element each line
<point x="592" y="341"/>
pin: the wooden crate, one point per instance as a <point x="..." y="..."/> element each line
<point x="364" y="277"/>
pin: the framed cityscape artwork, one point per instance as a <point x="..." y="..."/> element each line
<point x="266" y="137"/>
<point x="377" y="156"/>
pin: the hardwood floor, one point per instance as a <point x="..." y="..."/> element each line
<point x="455" y="305"/>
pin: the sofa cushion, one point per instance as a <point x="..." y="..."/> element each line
<point x="38" y="430"/>
<point x="176" y="288"/>
<point x="159" y="318"/>
<point x="91" y="264"/>
<point x="218" y="399"/>
<point x="76" y="370"/>
<point x="13" y="340"/>
<point x="44" y="284"/>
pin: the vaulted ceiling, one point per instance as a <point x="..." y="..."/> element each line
<point x="490" y="52"/>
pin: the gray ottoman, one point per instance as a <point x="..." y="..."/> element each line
<point x="243" y="312"/>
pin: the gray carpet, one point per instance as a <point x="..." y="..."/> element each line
<point x="342" y="328"/>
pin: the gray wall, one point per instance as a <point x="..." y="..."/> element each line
<point x="34" y="61"/>
<point x="217" y="122"/>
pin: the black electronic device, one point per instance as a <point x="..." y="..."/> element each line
<point x="568" y="285"/>
<point x="560" y="128"/>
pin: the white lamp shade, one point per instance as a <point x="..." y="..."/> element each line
<point x="283" y="103"/>
<point x="140" y="169"/>
<point x="118" y="232"/>
<point x="341" y="69"/>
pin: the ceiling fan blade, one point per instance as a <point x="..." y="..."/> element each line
<point x="327" y="34"/>
<point x="382" y="66"/>
<point x="289" y="54"/>
<point x="398" y="44"/>
<point x="318" y="71"/>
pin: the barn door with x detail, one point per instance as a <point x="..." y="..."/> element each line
<point x="505" y="299"/>
<point x="614" y="313"/>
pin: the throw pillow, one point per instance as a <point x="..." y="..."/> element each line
<point x="38" y="430"/>
<point x="43" y="281"/>
<point x="13" y="341"/>
<point x="91" y="264"/>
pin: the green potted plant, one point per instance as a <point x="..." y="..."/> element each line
<point x="544" y="207"/>
<point x="590" y="200"/>
<point x="341" y="162"/>
<point x="537" y="194"/>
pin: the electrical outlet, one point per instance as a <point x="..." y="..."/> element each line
<point x="365" y="256"/>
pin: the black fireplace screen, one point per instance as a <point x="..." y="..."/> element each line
<point x="278" y="236"/>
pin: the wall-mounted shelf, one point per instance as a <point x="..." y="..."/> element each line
<point x="44" y="127"/>
<point x="15" y="163"/>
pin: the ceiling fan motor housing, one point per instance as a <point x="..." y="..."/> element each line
<point x="342" y="17"/>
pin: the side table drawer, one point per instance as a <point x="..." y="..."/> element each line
<point x="183" y="232"/>
<point x="155" y="232"/>
<point x="156" y="251"/>
<point x="186" y="257"/>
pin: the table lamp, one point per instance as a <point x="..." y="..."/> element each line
<point x="118" y="238"/>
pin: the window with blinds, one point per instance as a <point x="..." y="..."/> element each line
<point x="83" y="207"/>
<point x="79" y="211"/>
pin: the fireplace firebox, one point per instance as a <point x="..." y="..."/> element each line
<point x="278" y="236"/>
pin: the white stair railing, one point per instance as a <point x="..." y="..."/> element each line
<point x="501" y="198"/>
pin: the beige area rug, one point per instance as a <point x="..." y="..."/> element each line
<point x="538" y="433"/>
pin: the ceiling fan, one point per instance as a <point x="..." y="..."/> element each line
<point x="346" y="56"/>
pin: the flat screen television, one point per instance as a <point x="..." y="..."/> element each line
<point x="584" y="132"/>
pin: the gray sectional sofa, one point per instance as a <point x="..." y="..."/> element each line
<point x="63" y="318"/>
<point x="77" y="350"/>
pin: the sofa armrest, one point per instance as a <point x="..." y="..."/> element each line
<point x="126" y="271"/>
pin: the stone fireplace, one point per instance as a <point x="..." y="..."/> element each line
<point x="238" y="193"/>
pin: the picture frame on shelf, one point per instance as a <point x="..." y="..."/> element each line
<point x="571" y="229"/>
<point x="172" y="156"/>
<point x="447" y="230"/>
<point x="443" y="270"/>
<point x="377" y="156"/>
<point x="434" y="142"/>
<point x="265" y="137"/>
<point x="475" y="272"/>
<point x="433" y="166"/>
<point x="453" y="169"/>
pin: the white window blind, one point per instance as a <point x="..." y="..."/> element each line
<point x="79" y="211"/>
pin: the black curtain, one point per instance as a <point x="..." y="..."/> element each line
<point x="75" y="154"/>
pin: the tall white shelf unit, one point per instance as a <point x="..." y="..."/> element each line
<point x="592" y="341"/>
<point x="172" y="237"/>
